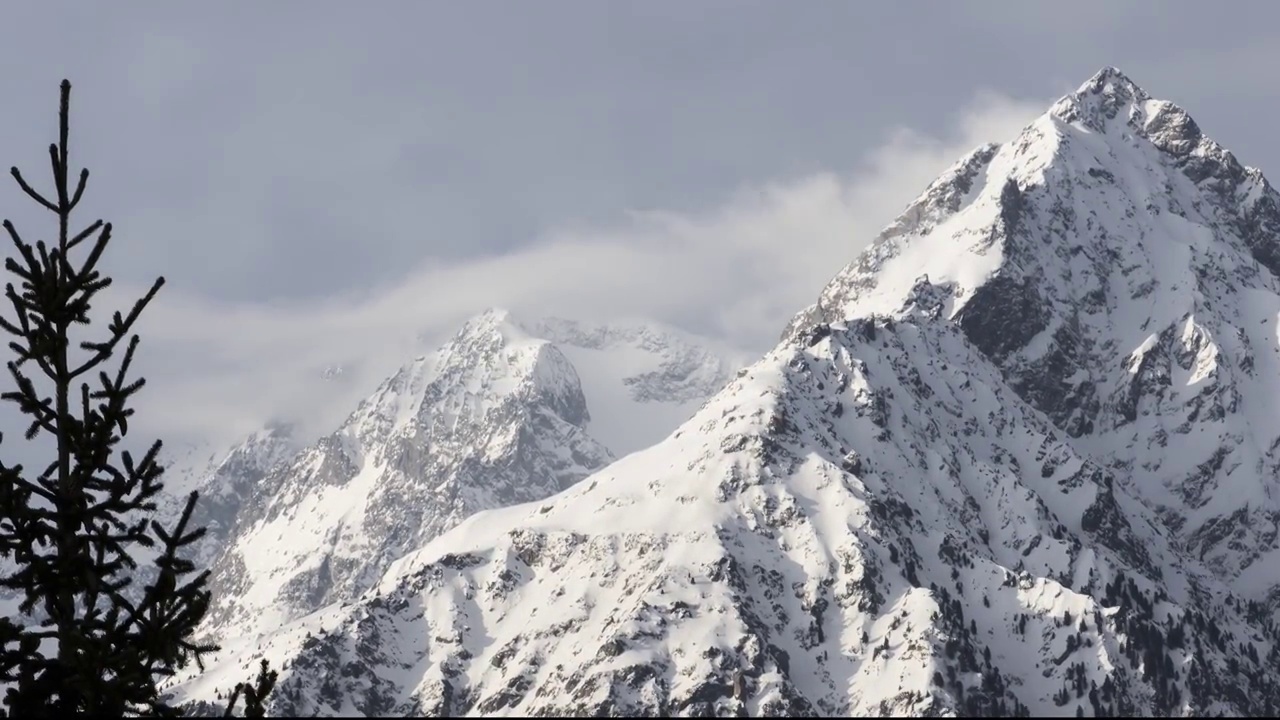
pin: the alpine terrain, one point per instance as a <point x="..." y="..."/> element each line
<point x="504" y="413"/>
<point x="1020" y="458"/>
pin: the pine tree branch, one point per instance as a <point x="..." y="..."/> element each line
<point x="75" y="200"/>
<point x="85" y="233"/>
<point x="118" y="330"/>
<point x="19" y="243"/>
<point x="59" y="167"/>
<point x="98" y="246"/>
<point x="31" y="352"/>
<point x="17" y="175"/>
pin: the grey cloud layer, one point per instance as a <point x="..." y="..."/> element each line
<point x="735" y="271"/>
<point x="321" y="180"/>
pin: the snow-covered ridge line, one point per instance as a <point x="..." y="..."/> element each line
<point x="933" y="546"/>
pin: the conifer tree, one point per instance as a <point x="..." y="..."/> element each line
<point x="84" y="640"/>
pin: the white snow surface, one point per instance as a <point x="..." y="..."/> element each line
<point x="1019" y="458"/>
<point x="641" y="379"/>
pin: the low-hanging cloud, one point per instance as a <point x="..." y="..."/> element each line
<point x="736" y="272"/>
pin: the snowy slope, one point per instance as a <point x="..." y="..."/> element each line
<point x="497" y="416"/>
<point x="1121" y="268"/>
<point x="867" y="521"/>
<point x="641" y="379"/>
<point x="222" y="478"/>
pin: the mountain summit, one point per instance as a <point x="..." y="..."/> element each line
<point x="1005" y="465"/>
<point x="1120" y="267"/>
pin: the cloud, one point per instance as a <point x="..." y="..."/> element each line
<point x="736" y="272"/>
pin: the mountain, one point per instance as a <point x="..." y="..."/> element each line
<point x="1015" y="460"/>
<point x="499" y="415"/>
<point x="1121" y="269"/>
<point x="860" y="511"/>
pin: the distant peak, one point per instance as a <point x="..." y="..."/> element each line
<point x="491" y="316"/>
<point x="490" y="321"/>
<point x="493" y="328"/>
<point x="278" y="428"/>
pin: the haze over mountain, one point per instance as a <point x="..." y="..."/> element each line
<point x="507" y="411"/>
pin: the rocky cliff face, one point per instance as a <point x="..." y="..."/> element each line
<point x="224" y="486"/>
<point x="1019" y="458"/>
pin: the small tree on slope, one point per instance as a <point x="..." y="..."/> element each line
<point x="84" y="641"/>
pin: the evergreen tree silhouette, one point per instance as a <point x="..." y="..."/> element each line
<point x="83" y="641"/>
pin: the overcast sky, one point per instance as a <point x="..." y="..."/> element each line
<point x="322" y="182"/>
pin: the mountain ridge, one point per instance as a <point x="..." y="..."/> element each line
<point x="729" y="568"/>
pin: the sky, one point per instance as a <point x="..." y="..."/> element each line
<point x="341" y="184"/>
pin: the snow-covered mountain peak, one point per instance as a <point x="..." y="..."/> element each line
<point x="497" y="415"/>
<point x="1113" y="233"/>
<point x="1108" y="171"/>
<point x="491" y="316"/>
<point x="492" y="323"/>
<point x="1101" y="96"/>
<point x="488" y="362"/>
<point x="1110" y="79"/>
<point x="1111" y="104"/>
